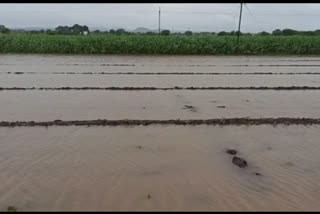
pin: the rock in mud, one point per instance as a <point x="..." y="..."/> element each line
<point x="188" y="107"/>
<point x="231" y="151"/>
<point x="221" y="106"/>
<point x="240" y="162"/>
<point x="191" y="108"/>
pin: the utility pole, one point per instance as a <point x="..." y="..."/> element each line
<point x="238" y="36"/>
<point x="159" y="20"/>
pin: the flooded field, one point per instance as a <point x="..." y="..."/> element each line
<point x="90" y="104"/>
<point x="159" y="167"/>
<point x="69" y="80"/>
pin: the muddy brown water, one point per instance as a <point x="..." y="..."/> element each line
<point x="86" y="105"/>
<point x="65" y="80"/>
<point x="111" y="63"/>
<point x="158" y="167"/>
<point x="181" y="168"/>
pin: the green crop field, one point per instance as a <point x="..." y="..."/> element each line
<point x="144" y="44"/>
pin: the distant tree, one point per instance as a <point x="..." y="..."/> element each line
<point x="74" y="30"/>
<point x="50" y="32"/>
<point x="246" y="34"/>
<point x="96" y="32"/>
<point x="165" y="32"/>
<point x="277" y="32"/>
<point x="263" y="33"/>
<point x="188" y="33"/>
<point x="232" y="33"/>
<point x="120" y="31"/>
<point x="78" y="29"/>
<point x="222" y="33"/>
<point x="308" y="33"/>
<point x="289" y="32"/>
<point x="63" y="30"/>
<point x="4" y="30"/>
<point x="112" y="31"/>
<point x="150" y="33"/>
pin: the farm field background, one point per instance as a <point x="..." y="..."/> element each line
<point x="173" y="45"/>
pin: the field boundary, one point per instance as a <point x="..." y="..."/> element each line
<point x="165" y="73"/>
<point x="279" y="88"/>
<point x="218" y="121"/>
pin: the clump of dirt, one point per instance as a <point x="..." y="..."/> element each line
<point x="289" y="164"/>
<point x="240" y="162"/>
<point x="221" y="106"/>
<point x="191" y="108"/>
<point x="231" y="151"/>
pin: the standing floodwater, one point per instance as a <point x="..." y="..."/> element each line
<point x="158" y="167"/>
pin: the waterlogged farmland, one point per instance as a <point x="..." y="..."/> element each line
<point x="180" y="133"/>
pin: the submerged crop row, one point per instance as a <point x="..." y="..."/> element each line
<point x="133" y="44"/>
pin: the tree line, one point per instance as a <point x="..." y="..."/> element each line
<point x="84" y="30"/>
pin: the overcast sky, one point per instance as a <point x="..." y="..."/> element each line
<point x="177" y="17"/>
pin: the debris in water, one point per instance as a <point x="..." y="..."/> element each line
<point x="191" y="108"/>
<point x="231" y="151"/>
<point x="240" y="162"/>
<point x="12" y="209"/>
<point x="188" y="107"/>
<point x="289" y="164"/>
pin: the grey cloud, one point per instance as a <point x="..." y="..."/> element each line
<point x="197" y="17"/>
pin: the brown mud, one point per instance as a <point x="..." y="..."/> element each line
<point x="240" y="162"/>
<point x="156" y="88"/>
<point x="222" y="122"/>
<point x="169" y="73"/>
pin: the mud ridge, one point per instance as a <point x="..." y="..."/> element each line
<point x="184" y="65"/>
<point x="169" y="73"/>
<point x="155" y="88"/>
<point x="116" y="64"/>
<point x="222" y="122"/>
<point x="275" y="65"/>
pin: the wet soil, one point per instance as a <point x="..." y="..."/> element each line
<point x="156" y="88"/>
<point x="221" y="122"/>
